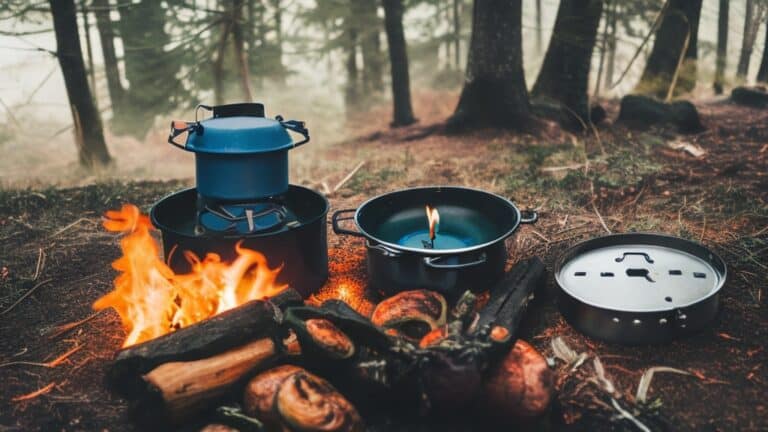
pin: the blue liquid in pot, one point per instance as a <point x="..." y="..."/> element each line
<point x="443" y="240"/>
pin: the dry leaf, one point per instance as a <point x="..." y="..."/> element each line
<point x="645" y="380"/>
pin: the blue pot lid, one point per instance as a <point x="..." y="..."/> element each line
<point x="239" y="135"/>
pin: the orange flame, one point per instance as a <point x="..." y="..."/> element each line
<point x="434" y="221"/>
<point x="152" y="300"/>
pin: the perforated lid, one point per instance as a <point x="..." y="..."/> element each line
<point x="640" y="272"/>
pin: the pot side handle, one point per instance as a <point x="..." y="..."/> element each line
<point x="295" y="126"/>
<point x="338" y="217"/>
<point x="178" y="127"/>
<point x="528" y="216"/>
<point x="432" y="262"/>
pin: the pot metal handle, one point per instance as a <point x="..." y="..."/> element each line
<point x="528" y="216"/>
<point x="432" y="262"/>
<point x="388" y="252"/>
<point x="337" y="217"/>
<point x="178" y="127"/>
<point x="295" y="126"/>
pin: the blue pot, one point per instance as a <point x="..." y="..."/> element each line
<point x="240" y="155"/>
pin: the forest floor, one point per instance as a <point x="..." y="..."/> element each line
<point x="54" y="256"/>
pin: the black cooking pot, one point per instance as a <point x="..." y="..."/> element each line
<point x="239" y="153"/>
<point x="300" y="246"/>
<point x="468" y="251"/>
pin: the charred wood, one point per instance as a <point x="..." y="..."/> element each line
<point x="206" y="338"/>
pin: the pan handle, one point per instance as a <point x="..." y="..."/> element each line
<point x="338" y="216"/>
<point x="528" y="216"/>
<point x="433" y="262"/>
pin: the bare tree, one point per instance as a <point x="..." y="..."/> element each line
<point x="494" y="92"/>
<point x="398" y="60"/>
<point x="752" y="17"/>
<point x="675" y="45"/>
<point x="89" y="135"/>
<point x="722" y="46"/>
<point x="564" y="74"/>
<point x="370" y="44"/>
<point x="762" y="73"/>
<point x="111" y="69"/>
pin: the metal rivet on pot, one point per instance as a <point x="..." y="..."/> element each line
<point x="682" y="325"/>
<point x="636" y="322"/>
<point x="616" y="319"/>
<point x="663" y="321"/>
<point x="682" y="316"/>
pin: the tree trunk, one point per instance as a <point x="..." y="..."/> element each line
<point x="747" y="41"/>
<point x="370" y="45"/>
<point x="89" y="50"/>
<point x="611" y="59"/>
<point x="676" y="40"/>
<point x="238" y="40"/>
<point x="564" y="75"/>
<point x="398" y="60"/>
<point x="494" y="92"/>
<point x="762" y="73"/>
<point x="722" y="46"/>
<point x="352" y="89"/>
<point x="89" y="135"/>
<point x="107" y="38"/>
<point x="603" y="52"/>
<point x="457" y="34"/>
<point x="539" y="29"/>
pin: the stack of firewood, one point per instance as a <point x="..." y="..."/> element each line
<point x="288" y="366"/>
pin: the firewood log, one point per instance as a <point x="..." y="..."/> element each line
<point x="178" y="390"/>
<point x="212" y="336"/>
<point x="291" y="398"/>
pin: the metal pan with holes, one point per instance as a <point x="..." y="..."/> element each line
<point x="639" y="288"/>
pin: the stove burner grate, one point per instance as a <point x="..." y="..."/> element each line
<point x="242" y="218"/>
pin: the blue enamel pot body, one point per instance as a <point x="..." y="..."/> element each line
<point x="240" y="155"/>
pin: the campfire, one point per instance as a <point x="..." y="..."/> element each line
<point x="220" y="329"/>
<point x="153" y="300"/>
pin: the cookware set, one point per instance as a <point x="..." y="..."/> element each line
<point x="625" y="288"/>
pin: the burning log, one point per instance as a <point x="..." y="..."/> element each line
<point x="206" y="338"/>
<point x="329" y="338"/>
<point x="289" y="397"/>
<point x="178" y="390"/>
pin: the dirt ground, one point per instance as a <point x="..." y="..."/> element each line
<point x="54" y="259"/>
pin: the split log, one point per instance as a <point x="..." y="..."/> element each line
<point x="179" y="390"/>
<point x="509" y="298"/>
<point x="642" y="112"/>
<point x="756" y="97"/>
<point x="212" y="336"/>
